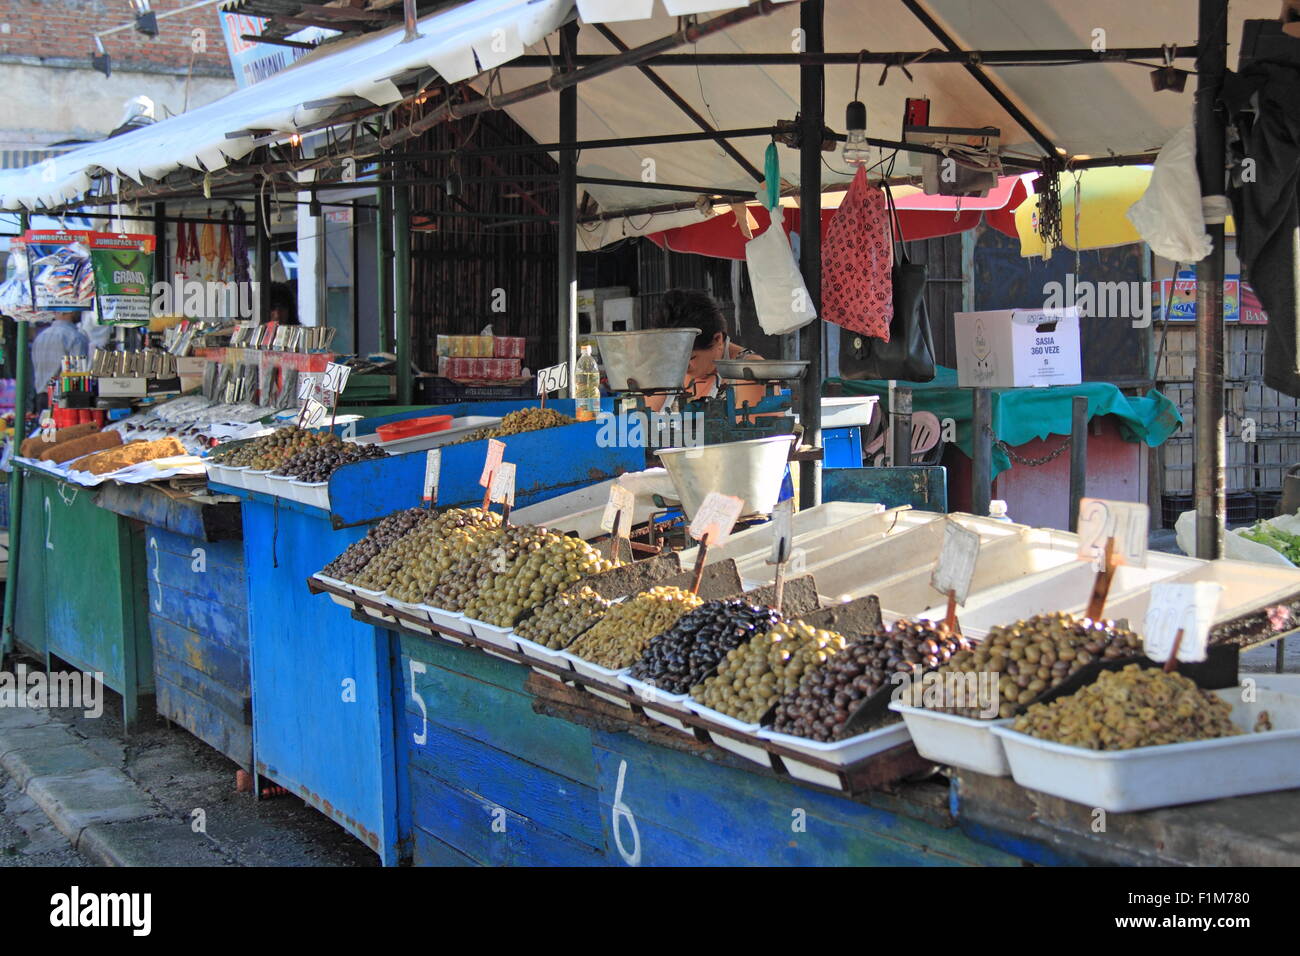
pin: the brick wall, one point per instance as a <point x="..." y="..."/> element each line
<point x="64" y="29"/>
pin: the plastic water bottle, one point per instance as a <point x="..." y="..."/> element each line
<point x="998" y="511"/>
<point x="586" y="386"/>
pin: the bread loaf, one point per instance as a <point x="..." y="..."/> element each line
<point x="66" y="451"/>
<point x="32" y="447"/>
<point x="132" y="454"/>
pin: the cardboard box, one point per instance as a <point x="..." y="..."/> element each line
<point x="465" y="346"/>
<point x="1018" y="348"/>
<point x="123" y="387"/>
<point x="621" y="315"/>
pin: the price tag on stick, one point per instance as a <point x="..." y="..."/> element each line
<point x="313" y="413"/>
<point x="496" y="450"/>
<point x="336" y="377"/>
<point x="955" y="569"/>
<point x="715" y="518"/>
<point x="1178" y="621"/>
<point x="1127" y="522"/>
<point x="554" y="378"/>
<point x="432" y="472"/>
<point x="503" y="484"/>
<point x="618" y="517"/>
<point x="782" y="536"/>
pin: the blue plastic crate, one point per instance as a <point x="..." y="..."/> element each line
<point x="843" y="447"/>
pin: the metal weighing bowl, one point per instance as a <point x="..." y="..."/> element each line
<point x="649" y="360"/>
<point x="752" y="470"/>
<point x="760" y="370"/>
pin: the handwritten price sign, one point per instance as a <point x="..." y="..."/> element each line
<point x="957" y="558"/>
<point x="716" y="517"/>
<point x="1127" y="522"/>
<point x="553" y="379"/>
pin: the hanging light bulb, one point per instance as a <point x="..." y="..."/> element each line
<point x="856" y="149"/>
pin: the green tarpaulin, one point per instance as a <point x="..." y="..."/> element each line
<point x="1022" y="414"/>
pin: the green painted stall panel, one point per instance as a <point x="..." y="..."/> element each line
<point x="93" y="585"/>
<point x="30" y="631"/>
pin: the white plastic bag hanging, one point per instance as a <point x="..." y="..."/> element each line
<point x="1168" y="216"/>
<point x="780" y="297"/>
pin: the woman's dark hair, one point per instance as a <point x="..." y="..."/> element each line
<point x="692" y="309"/>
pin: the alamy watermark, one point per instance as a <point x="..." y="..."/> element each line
<point x="1103" y="300"/>
<point x="35" y="689"/>
<point x="201" y="299"/>
<point x="638" y="429"/>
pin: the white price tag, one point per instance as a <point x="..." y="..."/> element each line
<point x="621" y="505"/>
<point x="314" y="413"/>
<point x="716" y="517"/>
<point x="1186" y="607"/>
<point x="503" y="484"/>
<point x="956" y="567"/>
<point x="782" y="531"/>
<point x="495" y="452"/>
<point x="307" y="385"/>
<point x="555" y="378"/>
<point x="1126" y="521"/>
<point x="336" y="377"/>
<point x="432" y="472"/>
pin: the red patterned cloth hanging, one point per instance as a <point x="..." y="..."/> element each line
<point x="857" y="256"/>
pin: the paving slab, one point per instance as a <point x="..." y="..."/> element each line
<point x="26" y="763"/>
<point x="15" y="718"/>
<point x="34" y="737"/>
<point x="157" y="842"/>
<point x="102" y="795"/>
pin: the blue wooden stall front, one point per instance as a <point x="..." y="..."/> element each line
<point x="324" y="718"/>
<point x="197" y="609"/>
<point x="493" y="781"/>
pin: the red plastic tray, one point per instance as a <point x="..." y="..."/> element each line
<point x="413" y="426"/>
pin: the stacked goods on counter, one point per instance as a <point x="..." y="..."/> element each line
<point x="561" y="620"/>
<point x="273" y="450"/>
<point x="547" y="565"/>
<point x="42" y="441"/>
<point x="757" y="674"/>
<point x="689" y="651"/>
<point x="517" y="422"/>
<point x="620" y="637"/>
<point x="134" y="453"/>
<point x="1133" y="707"/>
<point x="1035" y="655"/>
<point x="828" y="695"/>
<point x="315" y="465"/>
<point x="76" y="447"/>
<point x="386" y="532"/>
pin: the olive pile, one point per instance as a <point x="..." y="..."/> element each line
<point x="687" y="653"/>
<point x="560" y="620"/>
<point x="1034" y="655"/>
<point x="517" y="422"/>
<point x="1131" y="708"/>
<point x="544" y="567"/>
<point x="273" y="450"/>
<point x="620" y="637"/>
<point x="317" y="464"/>
<point x="435" y="549"/>
<point x="402" y="562"/>
<point x="350" y="563"/>
<point x="826" y="697"/>
<point x="483" y="556"/>
<point x="755" y="675"/>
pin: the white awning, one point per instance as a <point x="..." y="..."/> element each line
<point x="1085" y="109"/>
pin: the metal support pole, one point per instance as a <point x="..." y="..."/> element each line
<point x="160" y="243"/>
<point x="981" y="451"/>
<point x="262" y="243"/>
<point x="402" y="291"/>
<point x="1211" y="449"/>
<point x="22" y="385"/>
<point x="901" y="412"/>
<point x="384" y="279"/>
<point x="567" y="247"/>
<point x="1078" y="456"/>
<point x="812" y="107"/>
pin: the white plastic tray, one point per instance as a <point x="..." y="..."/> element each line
<point x="502" y="637"/>
<point x="842" y="753"/>
<point x="459" y="426"/>
<point x="965" y="742"/>
<point x="605" y="675"/>
<point x="848" y="411"/>
<point x="755" y="751"/>
<point x="1125" y="781"/>
<point x="449" y="621"/>
<point x="659" y="704"/>
<point x="539" y="653"/>
<point x="314" y="493"/>
<point x="258" y="481"/>
<point x="336" y="583"/>
<point x="223" y="474"/>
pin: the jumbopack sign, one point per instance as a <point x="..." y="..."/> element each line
<point x="1018" y="348"/>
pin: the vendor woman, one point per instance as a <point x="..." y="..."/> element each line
<point x="693" y="309"/>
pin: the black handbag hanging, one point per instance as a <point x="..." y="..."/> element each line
<point x="909" y="354"/>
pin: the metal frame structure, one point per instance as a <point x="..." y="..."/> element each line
<point x="810" y="130"/>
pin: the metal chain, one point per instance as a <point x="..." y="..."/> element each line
<point x="1036" y="462"/>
